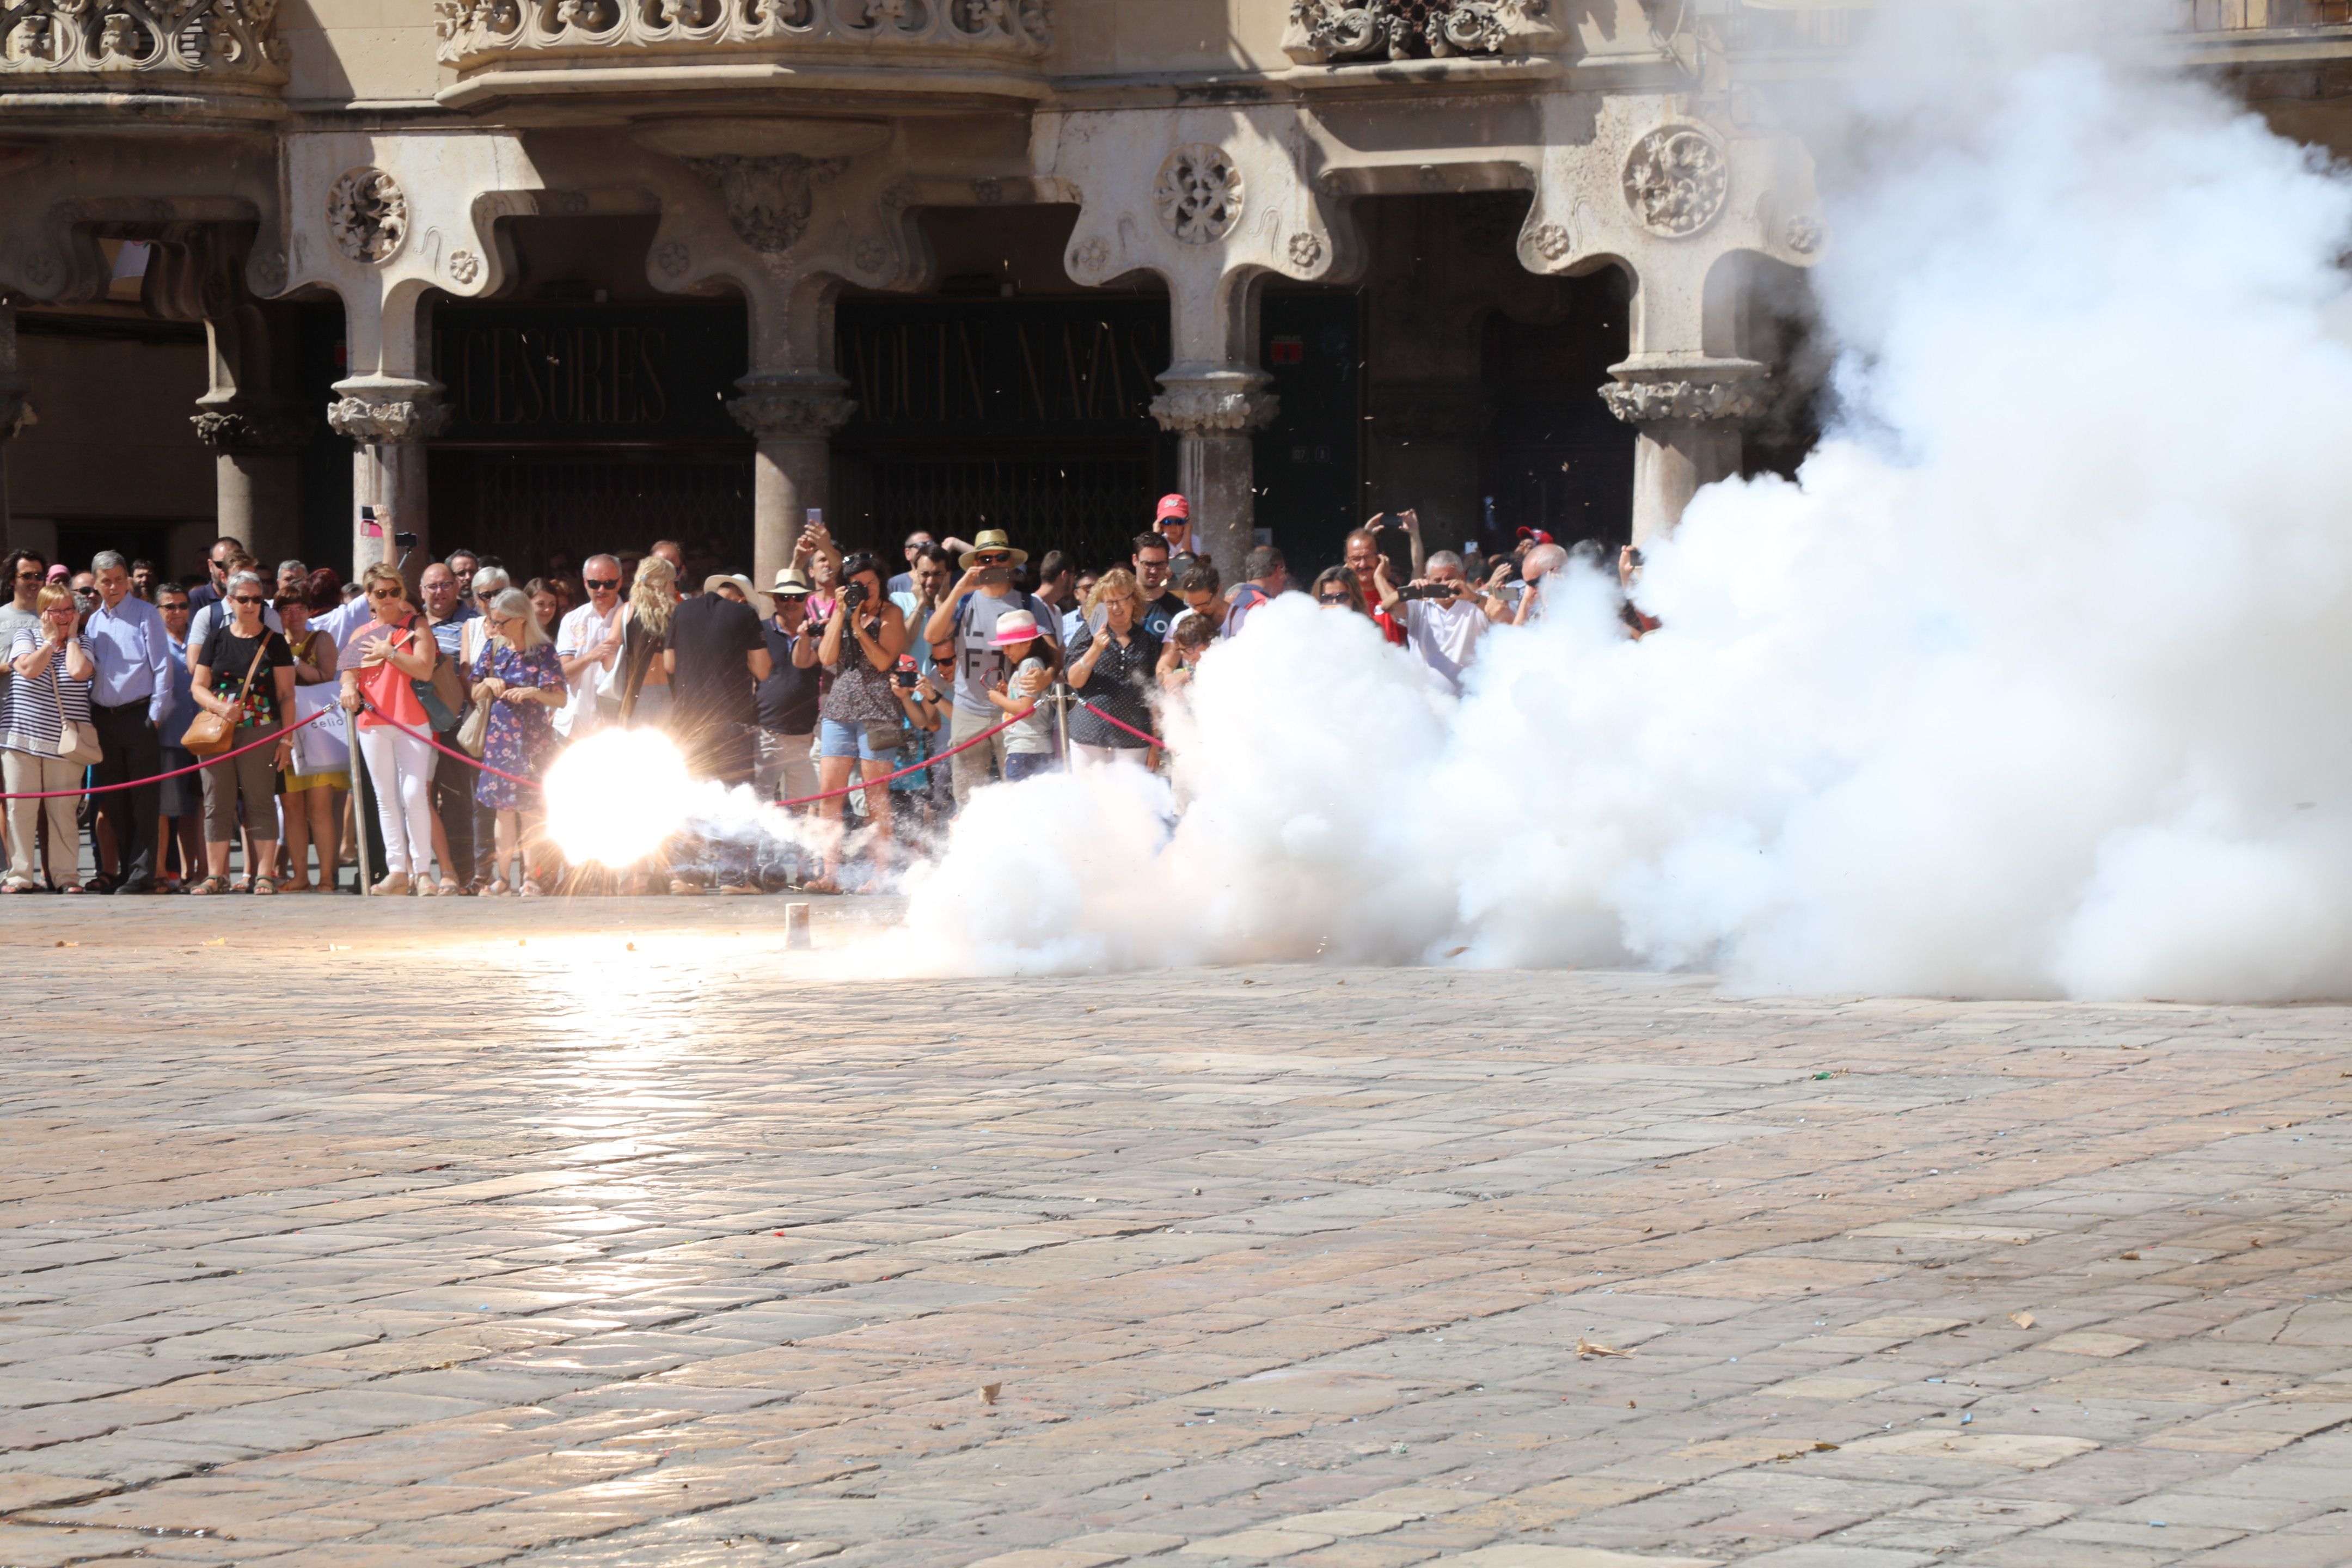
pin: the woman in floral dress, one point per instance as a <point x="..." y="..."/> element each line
<point x="518" y="671"/>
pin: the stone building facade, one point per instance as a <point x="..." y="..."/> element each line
<point x="547" y="276"/>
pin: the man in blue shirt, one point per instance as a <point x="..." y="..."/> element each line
<point x="129" y="698"/>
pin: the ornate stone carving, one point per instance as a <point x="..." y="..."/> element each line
<point x="1305" y="250"/>
<point x="1651" y="402"/>
<point x="898" y="195"/>
<point x="367" y="214"/>
<point x="136" y="44"/>
<point x="872" y="257"/>
<point x="1213" y="409"/>
<point x="1198" y="194"/>
<point x="769" y="199"/>
<point x="1552" y="241"/>
<point x="1092" y="256"/>
<point x="465" y="266"/>
<point x="480" y="32"/>
<point x="259" y="427"/>
<point x="390" y="420"/>
<point x="673" y="258"/>
<point x="1803" y="235"/>
<point x="786" y="410"/>
<point x="1675" y="180"/>
<point x="268" y="272"/>
<point x="1334" y="31"/>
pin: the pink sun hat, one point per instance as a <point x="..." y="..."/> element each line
<point x="1013" y="626"/>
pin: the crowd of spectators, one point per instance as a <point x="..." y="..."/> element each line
<point x="875" y="702"/>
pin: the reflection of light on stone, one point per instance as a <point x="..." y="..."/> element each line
<point x="614" y="798"/>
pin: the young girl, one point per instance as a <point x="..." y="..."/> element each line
<point x="1030" y="663"/>
<point x="1187" y="641"/>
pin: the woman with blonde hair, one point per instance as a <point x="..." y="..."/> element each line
<point x="377" y="666"/>
<point x="1113" y="661"/>
<point x="640" y="680"/>
<point x="517" y="674"/>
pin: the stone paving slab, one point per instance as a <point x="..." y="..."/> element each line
<point x="610" y="1235"/>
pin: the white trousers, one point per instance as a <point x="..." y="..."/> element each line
<point x="400" y="767"/>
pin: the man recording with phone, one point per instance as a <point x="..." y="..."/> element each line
<point x="968" y="618"/>
<point x="1443" y="614"/>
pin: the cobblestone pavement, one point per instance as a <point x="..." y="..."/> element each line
<point x="459" y="1234"/>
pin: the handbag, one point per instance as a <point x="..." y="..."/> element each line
<point x="77" y="740"/>
<point x="209" y="734"/>
<point x="439" y="694"/>
<point x="473" y="734"/>
<point x="885" y="734"/>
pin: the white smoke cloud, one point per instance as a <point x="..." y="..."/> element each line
<point x="2038" y="682"/>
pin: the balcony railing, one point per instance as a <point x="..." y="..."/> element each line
<point x="130" y="49"/>
<point x="479" y="34"/>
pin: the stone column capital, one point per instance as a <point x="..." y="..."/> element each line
<point x="255" y="427"/>
<point x="792" y="407"/>
<point x="1695" y="391"/>
<point x="387" y="412"/>
<point x="1214" y="402"/>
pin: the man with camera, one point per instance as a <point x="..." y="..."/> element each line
<point x="968" y="619"/>
<point x="1443" y="614"/>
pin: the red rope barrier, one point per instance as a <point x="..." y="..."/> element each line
<point x="1107" y="719"/>
<point x="159" y="778"/>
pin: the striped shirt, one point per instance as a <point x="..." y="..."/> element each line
<point x="31" y="722"/>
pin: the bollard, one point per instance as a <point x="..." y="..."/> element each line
<point x="796" y="925"/>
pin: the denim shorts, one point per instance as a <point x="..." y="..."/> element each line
<point x="835" y="738"/>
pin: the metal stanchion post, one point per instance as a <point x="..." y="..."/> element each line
<point x="359" y="806"/>
<point x="1062" y="719"/>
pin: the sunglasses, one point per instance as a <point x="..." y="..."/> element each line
<point x="990" y="558"/>
<point x="247" y="599"/>
<point x="603" y="582"/>
<point x="381" y="594"/>
<point x="35" y="575"/>
<point x="1330" y="598"/>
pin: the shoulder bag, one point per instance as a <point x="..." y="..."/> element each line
<point x="209" y="734"/>
<point x="76" y="741"/>
<point x="440" y="694"/>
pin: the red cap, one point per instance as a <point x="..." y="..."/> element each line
<point x="1173" y="506"/>
<point x="1534" y="536"/>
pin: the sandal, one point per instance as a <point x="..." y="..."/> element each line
<point x="73" y="887"/>
<point x="393" y="886"/>
<point x="821" y="885"/>
<point x="102" y="883"/>
<point x="264" y="886"/>
<point x="681" y="888"/>
<point x="209" y="886"/>
<point x="531" y="890"/>
<point x="497" y="889"/>
<point x="18" y="885"/>
<point x="450" y="889"/>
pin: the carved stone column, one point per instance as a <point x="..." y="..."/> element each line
<point x="1213" y="413"/>
<point x="15" y="409"/>
<point x="793" y="417"/>
<point x="1688" y="415"/>
<point x="391" y="420"/>
<point x="257" y="447"/>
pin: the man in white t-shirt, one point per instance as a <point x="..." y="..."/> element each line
<point x="967" y="617"/>
<point x="1443" y="628"/>
<point x="586" y="643"/>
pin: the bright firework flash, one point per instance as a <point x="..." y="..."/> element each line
<point x="620" y="794"/>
